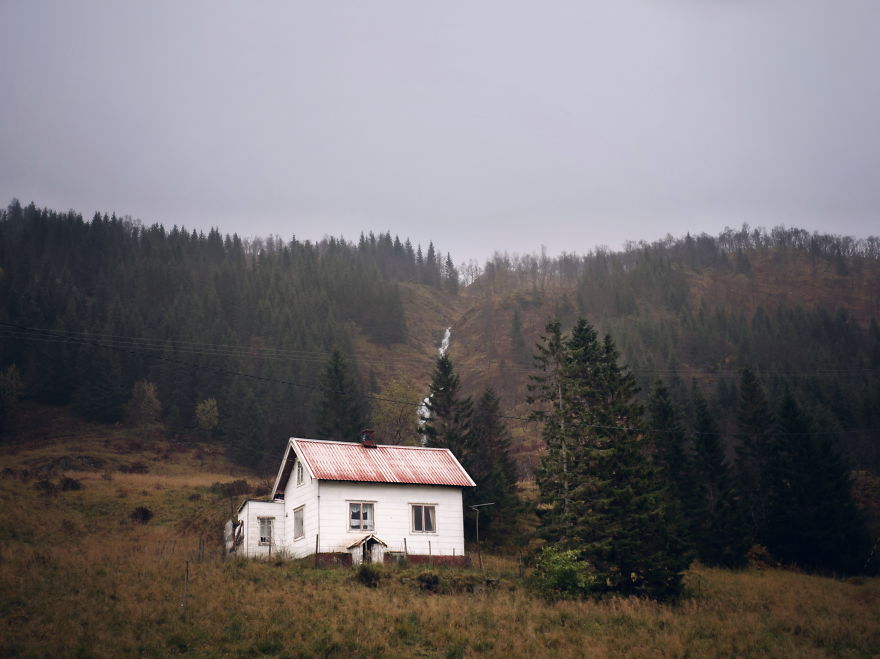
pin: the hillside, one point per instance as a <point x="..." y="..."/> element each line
<point x="76" y="561"/>
<point x="800" y="321"/>
<point x="92" y="308"/>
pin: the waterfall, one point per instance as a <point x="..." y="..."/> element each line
<point x="423" y="413"/>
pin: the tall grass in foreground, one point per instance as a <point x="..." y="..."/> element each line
<point x="123" y="594"/>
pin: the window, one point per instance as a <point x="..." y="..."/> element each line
<point x="424" y="519"/>
<point x="360" y="516"/>
<point x="266" y="524"/>
<point x="299" y="474"/>
<point x="299" y="522"/>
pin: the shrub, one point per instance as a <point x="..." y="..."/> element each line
<point x="68" y="484"/>
<point x="429" y="581"/>
<point x="369" y="575"/>
<point x="562" y="573"/>
<point x="142" y="514"/>
<point x="46" y="487"/>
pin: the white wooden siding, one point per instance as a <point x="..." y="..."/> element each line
<point x="250" y="515"/>
<point x="393" y="516"/>
<point x="305" y="495"/>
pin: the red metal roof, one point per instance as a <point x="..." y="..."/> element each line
<point x="349" y="461"/>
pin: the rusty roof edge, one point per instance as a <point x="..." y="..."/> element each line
<point x="301" y="454"/>
<point x="463" y="470"/>
<point x="378" y="461"/>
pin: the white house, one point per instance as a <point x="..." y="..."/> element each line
<point x="355" y="502"/>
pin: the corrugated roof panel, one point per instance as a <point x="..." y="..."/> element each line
<point x="348" y="461"/>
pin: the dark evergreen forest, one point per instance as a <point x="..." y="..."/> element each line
<point x="824" y="352"/>
<point x="90" y="308"/>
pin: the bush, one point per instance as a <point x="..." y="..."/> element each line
<point x="142" y="514"/>
<point x="561" y="573"/>
<point x="369" y="575"/>
<point x="68" y="484"/>
<point x="429" y="581"/>
<point x="46" y="487"/>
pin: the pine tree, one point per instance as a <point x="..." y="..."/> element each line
<point x="812" y="518"/>
<point x="493" y="470"/>
<point x="448" y="420"/>
<point x="755" y="426"/>
<point x="548" y="394"/>
<point x="450" y="280"/>
<point x="341" y="414"/>
<point x="669" y="440"/>
<point x="719" y="529"/>
<point x="614" y="510"/>
<point x="11" y="390"/>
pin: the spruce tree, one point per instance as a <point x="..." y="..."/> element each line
<point x="755" y="426"/>
<point x="812" y="518"/>
<point x="341" y="413"/>
<point x="493" y="470"/>
<point x="668" y="438"/>
<point x="447" y="423"/>
<point x="616" y="513"/>
<point x="548" y="394"/>
<point x="719" y="529"/>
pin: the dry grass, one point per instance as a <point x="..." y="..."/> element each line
<point x="79" y="577"/>
<point x="124" y="597"/>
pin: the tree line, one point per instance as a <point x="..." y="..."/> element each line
<point x="242" y="328"/>
<point x="629" y="498"/>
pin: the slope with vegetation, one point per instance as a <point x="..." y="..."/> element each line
<point x="84" y="574"/>
<point x="244" y="343"/>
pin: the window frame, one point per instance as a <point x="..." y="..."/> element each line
<point x="412" y="518"/>
<point x="372" y="504"/>
<point x="271" y="527"/>
<point x="300" y="476"/>
<point x="302" y="511"/>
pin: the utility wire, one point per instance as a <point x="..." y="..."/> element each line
<point x="316" y="356"/>
<point x="227" y="371"/>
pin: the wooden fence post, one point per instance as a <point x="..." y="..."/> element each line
<point x="185" y="585"/>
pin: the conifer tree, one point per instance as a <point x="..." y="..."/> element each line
<point x="11" y="389"/>
<point x="812" y="518"/>
<point x="448" y="420"/>
<point x="614" y="510"/>
<point x="493" y="470"/>
<point x="719" y="528"/>
<point x="669" y="441"/>
<point x="755" y="426"/>
<point x="341" y="412"/>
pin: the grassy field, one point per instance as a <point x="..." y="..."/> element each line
<point x="79" y="577"/>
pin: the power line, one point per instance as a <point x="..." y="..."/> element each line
<point x="321" y="356"/>
<point x="226" y="371"/>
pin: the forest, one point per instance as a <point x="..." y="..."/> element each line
<point x="91" y="308"/>
<point x="741" y="372"/>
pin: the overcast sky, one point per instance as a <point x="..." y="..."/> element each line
<point x="483" y="126"/>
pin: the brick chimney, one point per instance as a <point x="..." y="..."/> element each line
<point x="367" y="438"/>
